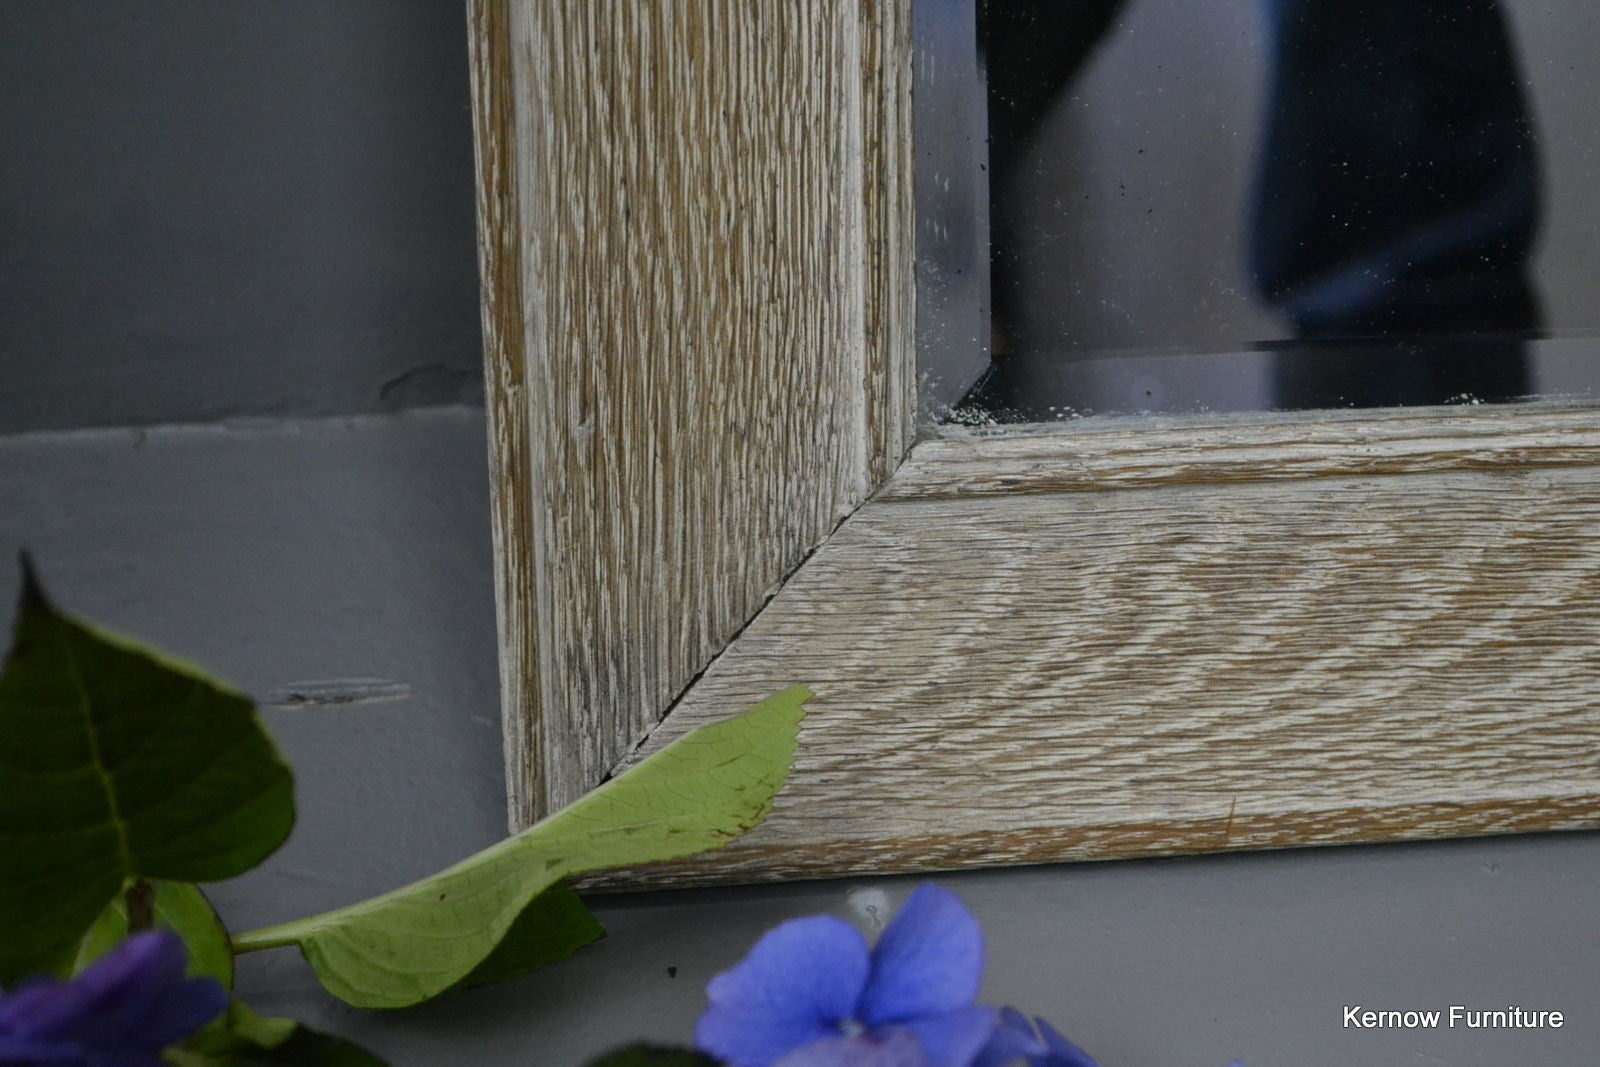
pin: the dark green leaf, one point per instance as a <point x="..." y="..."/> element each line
<point x="313" y="1048"/>
<point x="413" y="943"/>
<point x="250" y="1040"/>
<point x="551" y="928"/>
<point x="651" y="1056"/>
<point x="116" y="763"/>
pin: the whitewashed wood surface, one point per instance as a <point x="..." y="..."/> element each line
<point x="1083" y="641"/>
<point x="1192" y="664"/>
<point x="1119" y="452"/>
<point x="696" y="234"/>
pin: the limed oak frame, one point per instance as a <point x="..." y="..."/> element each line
<point x="1108" y="639"/>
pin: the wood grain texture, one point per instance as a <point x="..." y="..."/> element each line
<point x="889" y="221"/>
<point x="692" y="379"/>
<point x="1190" y="664"/>
<point x="511" y="447"/>
<point x="1120" y="453"/>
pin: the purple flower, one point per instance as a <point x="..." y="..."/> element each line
<point x="810" y="994"/>
<point x="1015" y="1039"/>
<point x="120" y="1012"/>
<point x="898" y="1049"/>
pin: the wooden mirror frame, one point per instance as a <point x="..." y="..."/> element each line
<point x="1105" y="639"/>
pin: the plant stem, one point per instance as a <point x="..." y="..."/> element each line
<point x="141" y="898"/>
<point x="257" y="940"/>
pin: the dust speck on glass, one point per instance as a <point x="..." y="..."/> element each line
<point x="1131" y="206"/>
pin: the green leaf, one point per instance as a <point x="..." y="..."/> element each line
<point x="313" y="1048"/>
<point x="180" y="907"/>
<point x="416" y="942"/>
<point x="244" y="1024"/>
<point x="652" y="1056"/>
<point x="116" y="763"/>
<point x="250" y="1040"/>
<point x="551" y="928"/>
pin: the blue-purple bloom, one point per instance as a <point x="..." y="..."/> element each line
<point x="898" y="1049"/>
<point x="1016" y="1039"/>
<point x="811" y="994"/>
<point x="122" y="1011"/>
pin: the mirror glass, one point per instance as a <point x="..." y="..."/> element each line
<point x="1256" y="204"/>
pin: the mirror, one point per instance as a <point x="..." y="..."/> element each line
<point x="1256" y="204"/>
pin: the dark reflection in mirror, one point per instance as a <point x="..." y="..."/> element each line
<point x="1384" y="218"/>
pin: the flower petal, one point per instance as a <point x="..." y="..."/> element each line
<point x="128" y="988"/>
<point x="124" y="1008"/>
<point x="929" y="960"/>
<point x="1063" y="1053"/>
<point x="1013" y="1040"/>
<point x="795" y="987"/>
<point x="952" y="1038"/>
<point x="152" y="957"/>
<point x="95" y="1006"/>
<point x="43" y="1008"/>
<point x="22" y="1050"/>
<point x="182" y="1010"/>
<point x="891" y="1050"/>
<point x="743" y="1038"/>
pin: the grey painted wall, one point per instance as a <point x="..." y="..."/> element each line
<point x="212" y="208"/>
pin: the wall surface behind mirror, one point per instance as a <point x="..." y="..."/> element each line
<point x="216" y="208"/>
<point x="1141" y="179"/>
